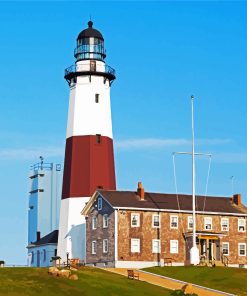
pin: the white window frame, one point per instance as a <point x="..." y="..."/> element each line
<point x="105" y="246"/>
<point x="155" y="226"/>
<point x="172" y="247"/>
<point x="132" y="246"/>
<point x="225" y="243"/>
<point x="100" y="202"/>
<point x="244" y="224"/>
<point x="173" y="227"/>
<point x="94" y="222"/>
<point x="154" y="250"/>
<point x="211" y="223"/>
<point x="188" y="222"/>
<point x="94" y="247"/>
<point x="105" y="221"/>
<point x="138" y="219"/>
<point x="222" y="227"/>
<point x="243" y="244"/>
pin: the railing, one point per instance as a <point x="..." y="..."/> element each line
<point x="90" y="68"/>
<point x="42" y="166"/>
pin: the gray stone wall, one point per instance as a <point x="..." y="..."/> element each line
<point x="99" y="234"/>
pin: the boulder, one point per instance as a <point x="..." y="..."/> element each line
<point x="53" y="271"/>
<point x="73" y="277"/>
<point x="64" y="273"/>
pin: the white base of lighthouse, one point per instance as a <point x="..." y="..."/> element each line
<point x="72" y="229"/>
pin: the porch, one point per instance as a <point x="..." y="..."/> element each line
<point x="210" y="248"/>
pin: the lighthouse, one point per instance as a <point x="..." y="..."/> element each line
<point x="89" y="157"/>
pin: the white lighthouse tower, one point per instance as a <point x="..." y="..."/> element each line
<point x="89" y="158"/>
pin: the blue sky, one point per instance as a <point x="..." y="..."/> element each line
<point x="163" y="52"/>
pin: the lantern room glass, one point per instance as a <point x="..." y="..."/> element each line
<point x="90" y="48"/>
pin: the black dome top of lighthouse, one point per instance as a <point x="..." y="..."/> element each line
<point x="90" y="32"/>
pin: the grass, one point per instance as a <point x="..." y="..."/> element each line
<point x="92" y="281"/>
<point x="232" y="280"/>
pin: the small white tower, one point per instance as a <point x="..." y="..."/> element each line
<point x="89" y="159"/>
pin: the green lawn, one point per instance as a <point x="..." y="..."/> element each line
<point x="232" y="280"/>
<point x="92" y="282"/>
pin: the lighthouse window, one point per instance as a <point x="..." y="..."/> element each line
<point x="98" y="138"/>
<point x="96" y="98"/>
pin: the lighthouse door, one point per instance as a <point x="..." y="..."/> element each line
<point x="93" y="66"/>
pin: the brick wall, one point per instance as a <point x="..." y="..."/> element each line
<point x="146" y="233"/>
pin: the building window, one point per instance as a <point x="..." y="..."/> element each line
<point x="105" y="221"/>
<point x="96" y="98"/>
<point x="105" y="245"/>
<point x="94" y="246"/>
<point x="32" y="257"/>
<point x="156" y="221"/>
<point x="156" y="246"/>
<point x="208" y="223"/>
<point x="225" y="249"/>
<point x="98" y="138"/>
<point x="135" y="245"/>
<point x="174" y="246"/>
<point x="135" y="220"/>
<point x="55" y="252"/>
<point x="44" y="255"/>
<point x="174" y="221"/>
<point x="99" y="203"/>
<point x="242" y="249"/>
<point x="94" y="222"/>
<point x="224" y="224"/>
<point x="190" y="222"/>
<point x="241" y="225"/>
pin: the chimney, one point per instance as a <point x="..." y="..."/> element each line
<point x="38" y="235"/>
<point x="140" y="191"/>
<point x="237" y="199"/>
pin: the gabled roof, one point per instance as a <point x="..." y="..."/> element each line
<point x="168" y="201"/>
<point x="50" y="238"/>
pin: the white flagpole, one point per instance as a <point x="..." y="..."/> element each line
<point x="194" y="252"/>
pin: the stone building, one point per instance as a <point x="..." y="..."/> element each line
<point x="141" y="229"/>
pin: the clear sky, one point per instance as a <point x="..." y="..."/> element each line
<point x="163" y="52"/>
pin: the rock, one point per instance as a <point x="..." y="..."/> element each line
<point x="187" y="289"/>
<point x="73" y="277"/>
<point x="53" y="271"/>
<point x="64" y="273"/>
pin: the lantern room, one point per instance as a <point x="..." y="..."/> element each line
<point x="90" y="45"/>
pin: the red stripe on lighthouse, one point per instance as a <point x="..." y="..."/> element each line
<point x="89" y="164"/>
